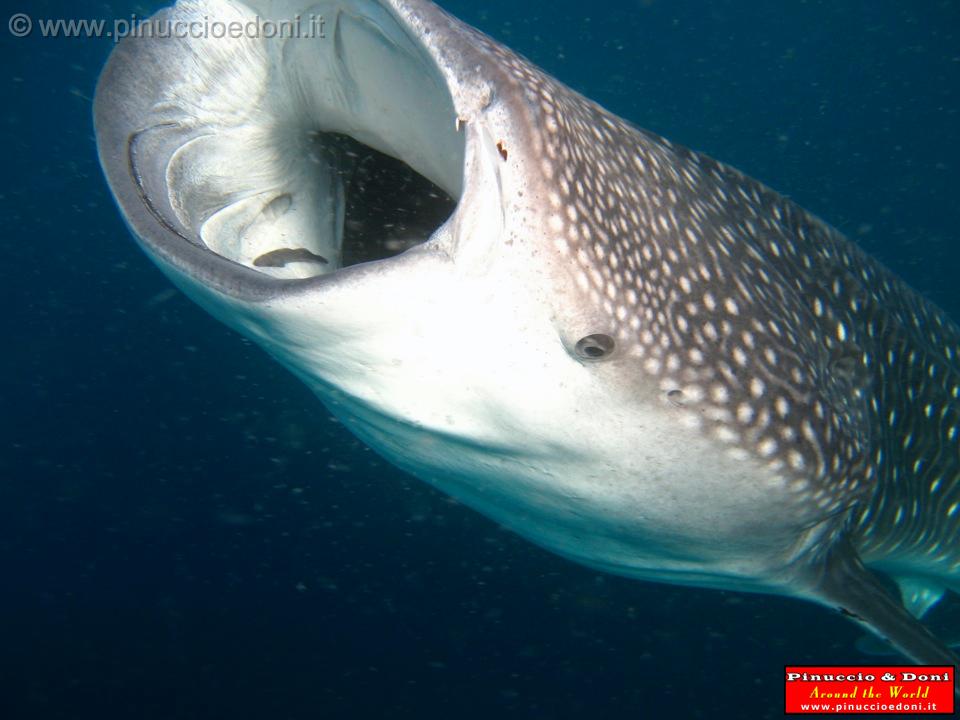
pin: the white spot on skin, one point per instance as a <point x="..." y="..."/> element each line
<point x="796" y="460"/>
<point x="782" y="407"/>
<point x="767" y="447"/>
<point x="727" y="435"/>
<point x="720" y="394"/>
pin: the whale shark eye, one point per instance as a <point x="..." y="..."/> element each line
<point x="595" y="347"/>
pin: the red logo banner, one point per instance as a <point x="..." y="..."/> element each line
<point x="907" y="690"/>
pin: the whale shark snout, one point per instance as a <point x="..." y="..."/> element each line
<point x="625" y="351"/>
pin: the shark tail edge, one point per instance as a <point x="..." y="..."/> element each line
<point x="846" y="584"/>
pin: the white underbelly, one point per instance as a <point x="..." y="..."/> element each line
<point x="651" y="502"/>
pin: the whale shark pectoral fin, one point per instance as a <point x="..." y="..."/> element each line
<point x="919" y="596"/>
<point x="844" y="583"/>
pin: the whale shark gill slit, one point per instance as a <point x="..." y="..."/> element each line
<point x="705" y="384"/>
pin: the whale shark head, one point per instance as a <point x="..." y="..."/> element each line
<point x="370" y="205"/>
<point x="625" y="351"/>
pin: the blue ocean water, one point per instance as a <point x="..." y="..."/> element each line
<point x="185" y="533"/>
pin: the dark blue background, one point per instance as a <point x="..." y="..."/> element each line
<point x="184" y="533"/>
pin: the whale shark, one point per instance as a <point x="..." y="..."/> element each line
<point x="625" y="351"/>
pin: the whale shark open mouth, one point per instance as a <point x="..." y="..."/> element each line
<point x="292" y="157"/>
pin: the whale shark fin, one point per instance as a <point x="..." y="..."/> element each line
<point x="847" y="585"/>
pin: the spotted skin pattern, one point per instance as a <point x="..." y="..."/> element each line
<point x="779" y="337"/>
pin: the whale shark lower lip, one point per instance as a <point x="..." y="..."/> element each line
<point x="625" y="351"/>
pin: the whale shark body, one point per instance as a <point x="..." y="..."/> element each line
<point x="625" y="351"/>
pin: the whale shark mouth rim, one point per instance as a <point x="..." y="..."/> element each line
<point x="168" y="201"/>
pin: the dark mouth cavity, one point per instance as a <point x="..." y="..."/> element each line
<point x="389" y="207"/>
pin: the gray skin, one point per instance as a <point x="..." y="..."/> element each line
<point x="625" y="351"/>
